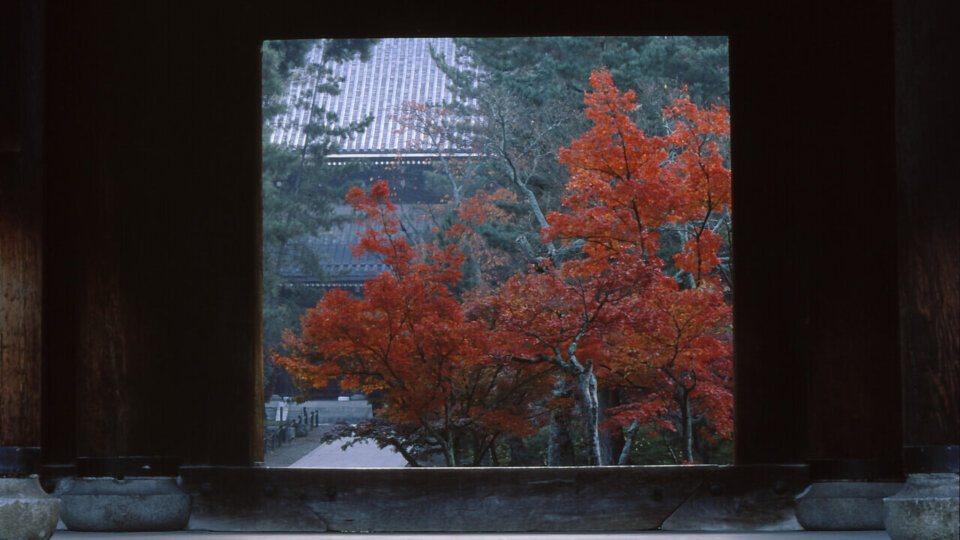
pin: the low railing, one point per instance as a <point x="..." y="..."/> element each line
<point x="276" y="435"/>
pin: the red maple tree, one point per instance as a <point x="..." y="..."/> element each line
<point x="625" y="189"/>
<point x="627" y="312"/>
<point x="407" y="337"/>
<point x="565" y="318"/>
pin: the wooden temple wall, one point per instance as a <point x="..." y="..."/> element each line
<point x="150" y="211"/>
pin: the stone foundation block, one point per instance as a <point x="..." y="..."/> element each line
<point x="844" y="505"/>
<point x="26" y="511"/>
<point x="927" y="508"/>
<point x="130" y="504"/>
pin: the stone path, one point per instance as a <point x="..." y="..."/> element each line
<point x="288" y="453"/>
<point x="364" y="454"/>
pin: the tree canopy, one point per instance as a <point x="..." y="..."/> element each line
<point x="598" y="301"/>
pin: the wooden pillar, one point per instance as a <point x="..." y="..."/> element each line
<point x="89" y="312"/>
<point x="928" y="217"/>
<point x="768" y="368"/>
<point x="152" y="321"/>
<point x="816" y="367"/>
<point x="816" y="372"/>
<point x="848" y="314"/>
<point x="847" y="317"/>
<point x="929" y="228"/>
<point x="20" y="238"/>
<point x="107" y="350"/>
<point x="25" y="510"/>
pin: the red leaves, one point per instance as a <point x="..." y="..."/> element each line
<point x="699" y="255"/>
<point x="618" y="191"/>
<point x="407" y="336"/>
<point x="482" y="207"/>
<point x="625" y="184"/>
<point x="624" y="187"/>
<point x="482" y="363"/>
<point x="375" y="203"/>
<point x="645" y="411"/>
<point x="703" y="180"/>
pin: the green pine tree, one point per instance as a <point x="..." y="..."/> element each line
<point x="299" y="190"/>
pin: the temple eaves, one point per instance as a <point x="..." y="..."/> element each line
<point x="399" y="71"/>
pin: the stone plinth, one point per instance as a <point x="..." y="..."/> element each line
<point x="844" y="505"/>
<point x="26" y="511"/>
<point x="130" y="504"/>
<point x="927" y="508"/>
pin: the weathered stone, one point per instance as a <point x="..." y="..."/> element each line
<point x="742" y="498"/>
<point x="520" y="499"/>
<point x="131" y="504"/>
<point x="844" y="506"/>
<point x="927" y="508"/>
<point x="26" y="511"/>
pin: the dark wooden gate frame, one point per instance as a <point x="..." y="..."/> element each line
<point x="151" y="235"/>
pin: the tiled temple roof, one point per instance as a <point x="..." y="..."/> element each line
<point x="399" y="70"/>
<point x="339" y="267"/>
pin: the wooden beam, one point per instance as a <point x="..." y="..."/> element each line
<point x="21" y="234"/>
<point x="928" y="195"/>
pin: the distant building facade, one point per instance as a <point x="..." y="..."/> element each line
<point x="398" y="71"/>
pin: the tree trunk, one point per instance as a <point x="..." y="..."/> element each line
<point x="534" y="205"/>
<point x="628" y="435"/>
<point x="488" y="450"/>
<point x="587" y="382"/>
<point x="541" y="219"/>
<point x="449" y="453"/>
<point x="687" y="421"/>
<point x="461" y="450"/>
<point x="611" y="443"/>
<point x="560" y="447"/>
<point x="402" y="450"/>
<point x="516" y="452"/>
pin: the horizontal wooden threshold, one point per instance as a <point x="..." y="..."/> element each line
<point x="649" y="535"/>
<point x="522" y="499"/>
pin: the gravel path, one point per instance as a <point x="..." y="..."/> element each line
<point x="290" y="452"/>
<point x="308" y="453"/>
<point x="361" y="455"/>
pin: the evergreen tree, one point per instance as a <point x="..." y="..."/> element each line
<point x="521" y="99"/>
<point x="299" y="191"/>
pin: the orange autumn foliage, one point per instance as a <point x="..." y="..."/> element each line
<point x="408" y="338"/>
<point x="625" y="187"/>
<point x="623" y="313"/>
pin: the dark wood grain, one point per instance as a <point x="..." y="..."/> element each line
<point x="152" y="220"/>
<point x="817" y="374"/>
<point x="929" y="216"/>
<point x="20" y="314"/>
<point x="21" y="232"/>
<point x="152" y="321"/>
